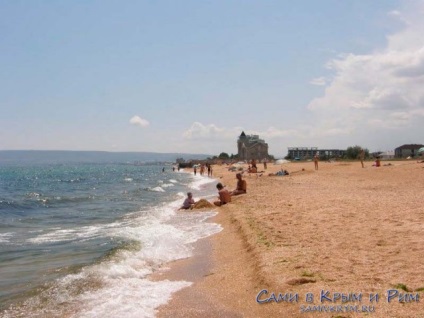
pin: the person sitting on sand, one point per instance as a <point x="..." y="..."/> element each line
<point x="188" y="202"/>
<point x="224" y="195"/>
<point x="253" y="163"/>
<point x="241" y="185"/>
<point x="377" y="162"/>
<point x="279" y="173"/>
<point x="253" y="170"/>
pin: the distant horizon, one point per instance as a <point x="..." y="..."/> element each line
<point x="197" y="154"/>
<point x="87" y="156"/>
<point x="107" y="151"/>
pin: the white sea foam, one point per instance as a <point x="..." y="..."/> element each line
<point x="130" y="297"/>
<point x="167" y="185"/>
<point x="173" y="181"/>
<point x="200" y="181"/>
<point x="126" y="290"/>
<point x="157" y="189"/>
<point x="85" y="232"/>
<point x="5" y="237"/>
<point x="128" y="179"/>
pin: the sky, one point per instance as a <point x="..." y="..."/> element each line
<point x="189" y="76"/>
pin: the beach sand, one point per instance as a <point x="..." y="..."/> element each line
<point x="340" y="230"/>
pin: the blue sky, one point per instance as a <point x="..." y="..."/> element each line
<point x="189" y="76"/>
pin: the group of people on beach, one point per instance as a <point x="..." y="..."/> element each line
<point x="202" y="169"/>
<point x="224" y="196"/>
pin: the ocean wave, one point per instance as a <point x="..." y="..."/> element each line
<point x="156" y="189"/>
<point x="71" y="180"/>
<point x="199" y="182"/>
<point x="61" y="235"/>
<point x="45" y="200"/>
<point x="167" y="185"/>
<point x="122" y="274"/>
<point x="18" y="207"/>
<point x="5" y="237"/>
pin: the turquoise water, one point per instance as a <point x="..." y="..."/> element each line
<point x="75" y="237"/>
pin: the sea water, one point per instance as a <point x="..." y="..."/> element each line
<point x="81" y="239"/>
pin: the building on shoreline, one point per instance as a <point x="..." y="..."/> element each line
<point x="300" y="153"/>
<point x="386" y="155"/>
<point x="409" y="150"/>
<point x="251" y="147"/>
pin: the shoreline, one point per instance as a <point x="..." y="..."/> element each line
<point x="340" y="229"/>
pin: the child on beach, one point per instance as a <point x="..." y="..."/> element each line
<point x="188" y="202"/>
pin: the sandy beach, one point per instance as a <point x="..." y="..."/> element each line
<point x="341" y="241"/>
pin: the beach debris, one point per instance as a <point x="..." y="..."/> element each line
<point x="300" y="281"/>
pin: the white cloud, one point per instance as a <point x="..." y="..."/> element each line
<point x="201" y="131"/>
<point x="273" y="132"/>
<point x="198" y="131"/>
<point x="396" y="14"/>
<point x="210" y="131"/>
<point x="320" y="81"/>
<point x="138" y="121"/>
<point x="380" y="89"/>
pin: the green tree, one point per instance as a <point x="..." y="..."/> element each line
<point x="223" y="155"/>
<point x="324" y="157"/>
<point x="354" y="151"/>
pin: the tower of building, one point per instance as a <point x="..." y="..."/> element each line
<point x="251" y="147"/>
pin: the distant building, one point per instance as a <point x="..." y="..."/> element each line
<point x="387" y="154"/>
<point x="251" y="147"/>
<point x="407" y="150"/>
<point x="308" y="152"/>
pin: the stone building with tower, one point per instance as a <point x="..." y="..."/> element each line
<point x="251" y="147"/>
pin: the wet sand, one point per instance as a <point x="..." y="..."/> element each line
<point x="350" y="231"/>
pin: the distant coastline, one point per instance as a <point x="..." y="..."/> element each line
<point x="52" y="156"/>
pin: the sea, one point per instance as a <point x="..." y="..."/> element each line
<point x="80" y="238"/>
